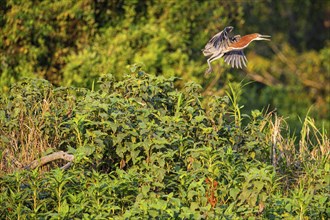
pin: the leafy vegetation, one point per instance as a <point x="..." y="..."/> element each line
<point x="146" y="150"/>
<point x="119" y="85"/>
<point x="74" y="43"/>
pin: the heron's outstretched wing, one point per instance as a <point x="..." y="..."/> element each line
<point x="235" y="58"/>
<point x="218" y="42"/>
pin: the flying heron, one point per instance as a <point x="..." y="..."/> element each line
<point x="230" y="48"/>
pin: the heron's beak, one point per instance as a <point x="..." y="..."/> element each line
<point x="264" y="37"/>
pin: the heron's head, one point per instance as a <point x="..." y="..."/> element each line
<point x="262" y="37"/>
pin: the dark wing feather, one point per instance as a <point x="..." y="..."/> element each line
<point x="234" y="39"/>
<point x="235" y="58"/>
<point x="218" y="42"/>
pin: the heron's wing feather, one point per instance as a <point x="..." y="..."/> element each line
<point x="234" y="39"/>
<point x="235" y="58"/>
<point x="218" y="42"/>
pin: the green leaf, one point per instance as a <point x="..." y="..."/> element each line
<point x="145" y="189"/>
<point x="233" y="192"/>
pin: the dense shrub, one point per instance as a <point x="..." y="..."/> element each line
<point x="144" y="149"/>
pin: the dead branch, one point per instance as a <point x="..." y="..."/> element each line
<point x="66" y="166"/>
<point x="54" y="156"/>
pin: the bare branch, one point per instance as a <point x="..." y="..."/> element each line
<point x="54" y="156"/>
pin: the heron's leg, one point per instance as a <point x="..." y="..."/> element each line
<point x="211" y="59"/>
<point x="209" y="70"/>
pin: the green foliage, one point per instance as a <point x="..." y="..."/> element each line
<point x="74" y="43"/>
<point x="144" y="149"/>
<point x="165" y="37"/>
<point x="153" y="146"/>
<point x="37" y="36"/>
<point x="299" y="87"/>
